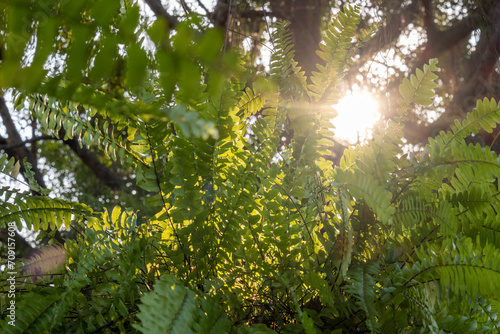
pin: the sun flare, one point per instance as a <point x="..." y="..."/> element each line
<point x="357" y="113"/>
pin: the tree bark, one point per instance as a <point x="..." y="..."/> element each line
<point x="305" y="25"/>
<point x="19" y="152"/>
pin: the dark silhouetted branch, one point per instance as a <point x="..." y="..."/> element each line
<point x="19" y="152"/>
<point x="157" y="8"/>
<point x="5" y="146"/>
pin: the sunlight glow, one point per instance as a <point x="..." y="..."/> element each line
<point x="357" y="113"/>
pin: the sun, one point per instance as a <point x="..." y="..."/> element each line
<point x="357" y="113"/>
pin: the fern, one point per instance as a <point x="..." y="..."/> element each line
<point x="247" y="233"/>
<point x="10" y="168"/>
<point x="363" y="287"/>
<point x="419" y="88"/>
<point x="41" y="212"/>
<point x="46" y="261"/>
<point x="485" y="116"/>
<point x="335" y="53"/>
<point x="182" y="310"/>
<point x="461" y="269"/>
<point x="363" y="186"/>
<point x="35" y="313"/>
<point x="283" y="69"/>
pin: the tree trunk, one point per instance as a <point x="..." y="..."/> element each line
<point x="306" y="33"/>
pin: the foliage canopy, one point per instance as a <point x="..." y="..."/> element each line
<point x="247" y="234"/>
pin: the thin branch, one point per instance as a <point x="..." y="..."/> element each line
<point x="258" y="14"/>
<point x="19" y="152"/>
<point x="28" y="141"/>
<point x="440" y="41"/>
<point x="203" y="6"/>
<point x="252" y="38"/>
<point x="391" y="29"/>
<point x="185" y="7"/>
<point x="157" y="8"/>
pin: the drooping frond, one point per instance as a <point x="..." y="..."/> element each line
<point x="40" y="212"/>
<point x="251" y="102"/>
<point x="11" y="168"/>
<point x="365" y="187"/>
<point x="45" y="261"/>
<point x="72" y="121"/>
<point x="362" y="285"/>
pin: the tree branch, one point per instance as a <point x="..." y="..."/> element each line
<point x="258" y="14"/>
<point x="157" y="8"/>
<point x="390" y="31"/>
<point x="103" y="173"/>
<point x="440" y="41"/>
<point x="429" y="24"/>
<point x="203" y="6"/>
<point x="480" y="78"/>
<point x="5" y="146"/>
<point x="19" y="152"/>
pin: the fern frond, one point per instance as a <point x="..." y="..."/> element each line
<point x="460" y="267"/>
<point x="468" y="316"/>
<point x="41" y="212"/>
<point x="414" y="212"/>
<point x="364" y="186"/>
<point x="377" y="159"/>
<point x="55" y="116"/>
<point x="335" y="52"/>
<point x="283" y="68"/>
<point x="361" y="284"/>
<point x="251" y="102"/>
<point x="181" y="310"/>
<point x="10" y="168"/>
<point x="457" y="323"/>
<point x="45" y="261"/>
<point x="419" y="88"/>
<point x="485" y="116"/>
<point x="487" y="229"/>
<point x="35" y="313"/>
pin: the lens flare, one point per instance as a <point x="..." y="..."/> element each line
<point x="357" y="113"/>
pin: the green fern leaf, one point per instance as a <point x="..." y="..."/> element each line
<point x="35" y="313"/>
<point x="283" y="69"/>
<point x="419" y="88"/>
<point x="462" y="268"/>
<point x="335" y="51"/>
<point x="485" y="116"/>
<point x="361" y="284"/>
<point x="181" y="310"/>
<point x="364" y="186"/>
